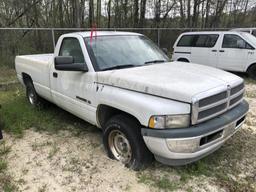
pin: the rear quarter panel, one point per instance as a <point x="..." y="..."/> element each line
<point x="180" y="52"/>
<point x="38" y="68"/>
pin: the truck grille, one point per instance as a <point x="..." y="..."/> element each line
<point x="216" y="101"/>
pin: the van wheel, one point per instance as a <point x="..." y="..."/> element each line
<point x="183" y="60"/>
<point x="252" y="71"/>
<point x="123" y="141"/>
<point x="33" y="98"/>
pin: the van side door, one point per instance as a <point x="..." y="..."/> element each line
<point x="204" y="49"/>
<point x="233" y="53"/>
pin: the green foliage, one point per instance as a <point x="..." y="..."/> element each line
<point x="17" y="115"/>
<point x="162" y="183"/>
<point x="3" y="165"/>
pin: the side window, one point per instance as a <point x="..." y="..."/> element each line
<point x="234" y="41"/>
<point x="254" y="32"/>
<point x="206" y="40"/>
<point x="211" y="40"/>
<point x="71" y="47"/>
<point x="186" y="41"/>
<point x="200" y="40"/>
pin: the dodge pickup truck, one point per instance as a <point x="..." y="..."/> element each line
<point x="145" y="105"/>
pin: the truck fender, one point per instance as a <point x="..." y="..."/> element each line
<point x="139" y="105"/>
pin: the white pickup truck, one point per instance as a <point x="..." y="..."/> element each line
<point x="228" y="50"/>
<point x="146" y="106"/>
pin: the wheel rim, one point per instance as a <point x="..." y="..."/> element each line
<point x="120" y="146"/>
<point x="31" y="98"/>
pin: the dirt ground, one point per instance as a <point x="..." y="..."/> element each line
<point x="40" y="161"/>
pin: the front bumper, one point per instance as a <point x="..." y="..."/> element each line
<point x="185" y="145"/>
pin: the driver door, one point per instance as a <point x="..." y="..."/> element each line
<point x="73" y="90"/>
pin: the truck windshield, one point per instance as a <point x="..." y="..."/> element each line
<point x="117" y="52"/>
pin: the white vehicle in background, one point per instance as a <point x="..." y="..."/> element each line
<point x="228" y="50"/>
<point x="124" y="84"/>
<point x="247" y="30"/>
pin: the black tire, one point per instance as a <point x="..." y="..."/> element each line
<point x="252" y="71"/>
<point x="127" y="127"/>
<point x="33" y="98"/>
<point x="183" y="60"/>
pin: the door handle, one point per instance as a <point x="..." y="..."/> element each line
<point x="214" y="50"/>
<point x="221" y="51"/>
<point x="55" y="75"/>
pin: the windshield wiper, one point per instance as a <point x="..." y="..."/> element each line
<point x="119" y="67"/>
<point x="154" y="61"/>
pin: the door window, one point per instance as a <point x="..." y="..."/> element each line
<point x="234" y="41"/>
<point x="186" y="41"/>
<point x="71" y="47"/>
<point x="202" y="40"/>
<point x="208" y="40"/>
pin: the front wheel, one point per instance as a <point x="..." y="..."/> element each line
<point x="123" y="141"/>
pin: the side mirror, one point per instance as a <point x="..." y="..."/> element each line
<point x="66" y="63"/>
<point x="165" y="50"/>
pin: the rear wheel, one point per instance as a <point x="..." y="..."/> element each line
<point x="33" y="98"/>
<point x="252" y="71"/>
<point x="123" y="141"/>
<point x="183" y="60"/>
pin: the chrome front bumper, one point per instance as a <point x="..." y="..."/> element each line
<point x="183" y="146"/>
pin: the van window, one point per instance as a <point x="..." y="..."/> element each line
<point x="204" y="40"/>
<point x="186" y="41"/>
<point x="234" y="41"/>
<point x="254" y="33"/>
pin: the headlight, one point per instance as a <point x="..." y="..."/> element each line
<point x="169" y="121"/>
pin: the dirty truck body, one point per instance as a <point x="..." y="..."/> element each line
<point x="146" y="106"/>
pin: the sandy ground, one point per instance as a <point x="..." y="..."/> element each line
<point x="65" y="162"/>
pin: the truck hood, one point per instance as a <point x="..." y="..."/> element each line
<point x="174" y="80"/>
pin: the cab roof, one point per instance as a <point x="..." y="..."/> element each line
<point x="211" y="32"/>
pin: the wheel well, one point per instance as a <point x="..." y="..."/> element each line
<point x="105" y="112"/>
<point x="253" y="64"/>
<point x="26" y="78"/>
<point x="183" y="60"/>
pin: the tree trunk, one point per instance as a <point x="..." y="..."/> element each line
<point x="91" y="13"/>
<point x="182" y="16"/>
<point x="98" y="13"/>
<point x="136" y="13"/>
<point x="142" y="12"/>
<point x="189" y="13"/>
<point x="61" y="13"/>
<point x="109" y="13"/>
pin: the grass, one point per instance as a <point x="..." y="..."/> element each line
<point x="53" y="151"/>
<point x="6" y="181"/>
<point x="16" y="115"/>
<point x="3" y="165"/>
<point x="7" y="75"/>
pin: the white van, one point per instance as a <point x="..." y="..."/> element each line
<point x="247" y="30"/>
<point x="228" y="50"/>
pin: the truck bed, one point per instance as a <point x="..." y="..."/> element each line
<point x="37" y="66"/>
